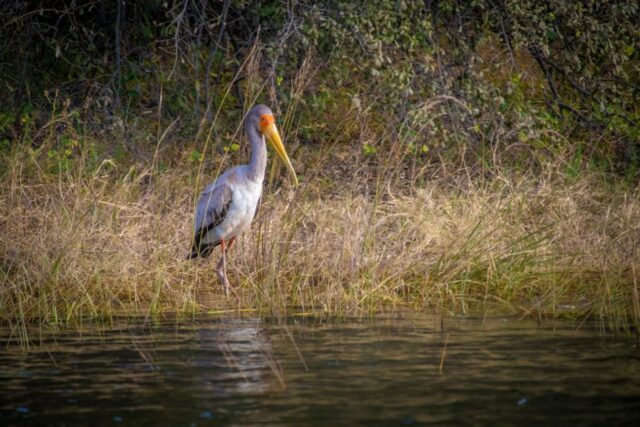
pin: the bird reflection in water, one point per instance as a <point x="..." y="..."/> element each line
<point x="231" y="356"/>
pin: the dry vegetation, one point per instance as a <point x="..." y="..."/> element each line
<point x="108" y="243"/>
<point x="472" y="193"/>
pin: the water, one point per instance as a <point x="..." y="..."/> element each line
<point x="387" y="371"/>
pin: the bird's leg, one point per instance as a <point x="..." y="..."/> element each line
<point x="231" y="240"/>
<point x="221" y="269"/>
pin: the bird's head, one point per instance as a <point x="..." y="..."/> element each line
<point x="262" y="117"/>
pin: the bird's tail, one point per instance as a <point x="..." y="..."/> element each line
<point x="202" y="250"/>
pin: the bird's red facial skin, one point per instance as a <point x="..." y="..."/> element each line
<point x="266" y="120"/>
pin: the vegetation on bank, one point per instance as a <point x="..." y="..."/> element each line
<point x="464" y="158"/>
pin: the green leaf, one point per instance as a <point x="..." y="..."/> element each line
<point x="195" y="156"/>
<point x="369" y="150"/>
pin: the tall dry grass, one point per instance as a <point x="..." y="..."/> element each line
<point x="98" y="246"/>
<point x="361" y="234"/>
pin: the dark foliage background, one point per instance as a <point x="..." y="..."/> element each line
<point x="529" y="80"/>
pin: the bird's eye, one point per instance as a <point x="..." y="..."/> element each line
<point x="266" y="120"/>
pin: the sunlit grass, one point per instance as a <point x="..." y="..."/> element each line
<point x="79" y="245"/>
<point x="372" y="227"/>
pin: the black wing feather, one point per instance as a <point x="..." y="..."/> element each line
<point x="203" y="250"/>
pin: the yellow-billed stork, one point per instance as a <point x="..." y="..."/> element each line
<point x="227" y="206"/>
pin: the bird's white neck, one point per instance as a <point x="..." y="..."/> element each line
<point x="258" y="163"/>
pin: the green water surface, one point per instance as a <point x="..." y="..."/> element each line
<point x="388" y="371"/>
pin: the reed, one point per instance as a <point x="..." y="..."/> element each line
<point x="77" y="245"/>
<point x="87" y="234"/>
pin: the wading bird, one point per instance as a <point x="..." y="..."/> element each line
<point x="227" y="206"/>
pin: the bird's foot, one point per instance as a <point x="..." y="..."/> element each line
<point x="225" y="283"/>
<point x="228" y="287"/>
<point x="223" y="280"/>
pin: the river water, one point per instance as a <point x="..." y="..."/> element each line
<point x="388" y="371"/>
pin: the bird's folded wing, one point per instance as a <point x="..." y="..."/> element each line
<point x="211" y="210"/>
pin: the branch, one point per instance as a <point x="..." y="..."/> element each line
<point x="196" y="56"/>
<point x="212" y="54"/>
<point x="118" y="56"/>
<point x="542" y="62"/>
<point x="588" y="94"/>
<point x="178" y="22"/>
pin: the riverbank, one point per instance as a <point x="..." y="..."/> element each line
<point x="78" y="245"/>
<point x="454" y="157"/>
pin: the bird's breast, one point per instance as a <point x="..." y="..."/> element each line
<point x="243" y="208"/>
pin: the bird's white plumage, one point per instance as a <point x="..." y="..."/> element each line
<point x="245" y="194"/>
<point x="227" y="207"/>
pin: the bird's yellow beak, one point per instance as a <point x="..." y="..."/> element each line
<point x="271" y="132"/>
